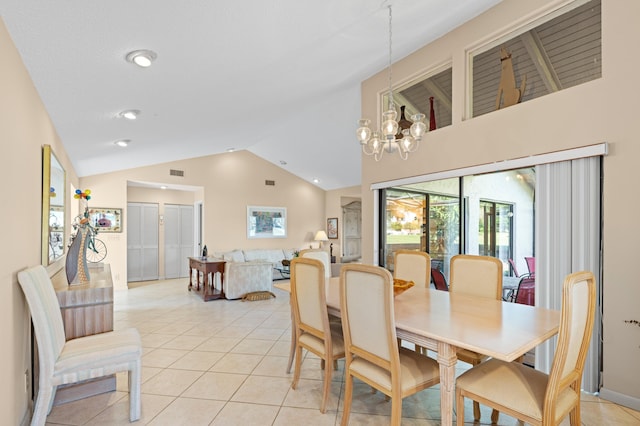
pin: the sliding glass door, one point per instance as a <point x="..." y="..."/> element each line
<point x="490" y="214"/>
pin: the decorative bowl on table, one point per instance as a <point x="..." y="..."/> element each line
<point x="400" y="286"/>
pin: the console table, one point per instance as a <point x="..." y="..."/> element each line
<point x="86" y="309"/>
<point x="207" y="266"/>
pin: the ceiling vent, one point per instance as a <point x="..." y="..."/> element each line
<point x="270" y="182"/>
<point x="173" y="172"/>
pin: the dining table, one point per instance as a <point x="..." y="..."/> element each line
<point x="443" y="322"/>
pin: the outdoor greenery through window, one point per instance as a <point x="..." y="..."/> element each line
<point x="493" y="217"/>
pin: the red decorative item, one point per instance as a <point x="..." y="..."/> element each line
<point x="432" y="115"/>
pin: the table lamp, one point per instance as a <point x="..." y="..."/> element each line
<point x="322" y="237"/>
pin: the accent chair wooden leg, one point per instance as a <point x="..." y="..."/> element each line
<point x="348" y="393"/>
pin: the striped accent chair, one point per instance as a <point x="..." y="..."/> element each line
<point x="84" y="358"/>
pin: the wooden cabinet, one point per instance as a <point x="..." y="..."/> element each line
<point x="86" y="309"/>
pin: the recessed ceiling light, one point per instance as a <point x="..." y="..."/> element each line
<point x="142" y="58"/>
<point x="130" y="114"/>
<point x="164" y="187"/>
<point x="231" y="149"/>
<point x="123" y="142"/>
<point x="316" y="180"/>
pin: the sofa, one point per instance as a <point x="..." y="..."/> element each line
<point x="247" y="271"/>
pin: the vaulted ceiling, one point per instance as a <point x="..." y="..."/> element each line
<point x="280" y="78"/>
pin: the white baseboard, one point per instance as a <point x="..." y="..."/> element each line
<point x="619" y="398"/>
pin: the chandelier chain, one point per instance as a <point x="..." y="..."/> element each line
<point x="391" y="103"/>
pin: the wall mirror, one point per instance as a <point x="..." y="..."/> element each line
<point x="53" y="207"/>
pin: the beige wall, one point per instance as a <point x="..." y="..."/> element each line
<point x="603" y="110"/>
<point x="24" y="127"/>
<point x="230" y="182"/>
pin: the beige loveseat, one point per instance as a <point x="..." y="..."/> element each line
<point x="272" y="256"/>
<point x="247" y="271"/>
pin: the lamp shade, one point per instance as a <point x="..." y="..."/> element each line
<point x="321" y="236"/>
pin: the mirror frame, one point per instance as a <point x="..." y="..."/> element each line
<point x="49" y="159"/>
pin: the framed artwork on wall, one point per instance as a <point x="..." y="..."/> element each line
<point x="106" y="219"/>
<point x="266" y="222"/>
<point x="332" y="228"/>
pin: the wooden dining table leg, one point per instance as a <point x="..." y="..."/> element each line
<point x="447" y="360"/>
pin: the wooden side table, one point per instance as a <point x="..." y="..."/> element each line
<point x="207" y="266"/>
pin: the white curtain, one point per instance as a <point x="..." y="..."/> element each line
<point x="568" y="240"/>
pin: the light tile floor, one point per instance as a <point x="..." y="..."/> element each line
<point x="223" y="363"/>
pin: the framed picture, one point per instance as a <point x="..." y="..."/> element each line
<point x="332" y="228"/>
<point x="266" y="222"/>
<point x="106" y="219"/>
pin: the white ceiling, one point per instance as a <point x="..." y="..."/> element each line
<point x="280" y="78"/>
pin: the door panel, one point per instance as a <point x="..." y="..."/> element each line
<point x="142" y="242"/>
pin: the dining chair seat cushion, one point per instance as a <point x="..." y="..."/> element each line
<point x="415" y="371"/>
<point x="515" y="386"/>
<point x="97" y="355"/>
<point x="337" y="342"/>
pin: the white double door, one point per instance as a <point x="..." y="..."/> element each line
<point x="144" y="242"/>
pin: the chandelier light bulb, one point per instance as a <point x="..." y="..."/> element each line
<point x="363" y="132"/>
<point x="389" y="124"/>
<point x="418" y="128"/>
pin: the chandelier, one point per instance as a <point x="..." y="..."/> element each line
<point x="402" y="136"/>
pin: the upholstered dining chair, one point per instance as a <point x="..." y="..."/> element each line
<point x="62" y="362"/>
<point x="515" y="269"/>
<point x="530" y="395"/>
<point x="412" y="265"/>
<point x="526" y="291"/>
<point x="476" y="275"/>
<point x="313" y="331"/>
<point x="321" y="255"/>
<point x="531" y="265"/>
<point x="439" y="281"/>
<point x="371" y="346"/>
<point x="415" y="266"/>
<point x="479" y="276"/>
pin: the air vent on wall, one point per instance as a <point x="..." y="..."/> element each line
<point x="270" y="182"/>
<point x="173" y="172"/>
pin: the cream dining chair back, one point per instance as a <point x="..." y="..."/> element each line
<point x="530" y="395"/>
<point x="372" y="353"/>
<point x="62" y="362"/>
<point x="313" y="331"/>
<point x="415" y="266"/>
<point x="412" y="265"/>
<point x="476" y="276"/>
<point x="479" y="276"/>
<point x="320" y="255"/>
